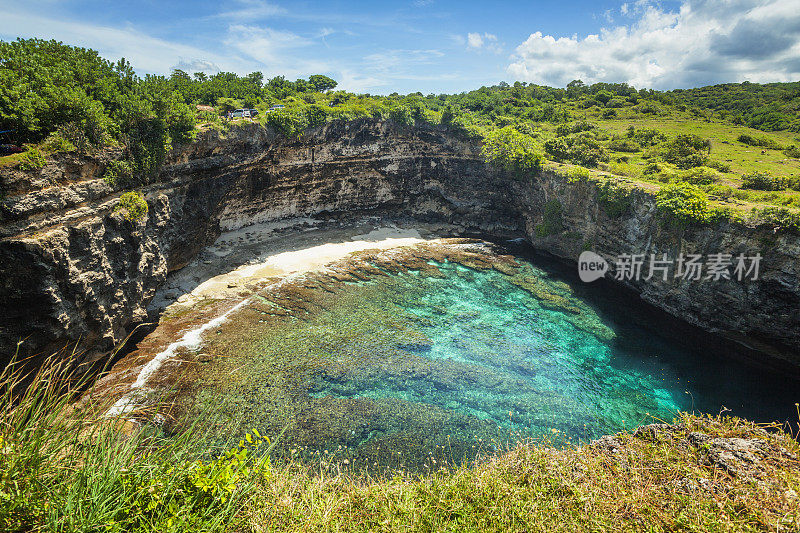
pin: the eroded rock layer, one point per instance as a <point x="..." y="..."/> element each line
<point x="74" y="272"/>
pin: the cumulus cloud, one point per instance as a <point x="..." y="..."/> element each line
<point x="704" y="42"/>
<point x="488" y="41"/>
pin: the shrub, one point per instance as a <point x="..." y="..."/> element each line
<point x="557" y="148"/>
<point x="646" y="136"/>
<point x="761" y="181"/>
<point x="684" y="203"/>
<point x="562" y="130"/>
<point x="119" y="174"/>
<point x="779" y="218"/>
<point x="315" y="115"/>
<point x="762" y="142"/>
<point x="721" y="191"/>
<point x="792" y="151"/>
<point x="401" y="115"/>
<point x="57" y="142"/>
<point x="577" y="174"/>
<point x="648" y="108"/>
<point x="652" y="168"/>
<point x="32" y="160"/>
<point x="609" y="113"/>
<point x="614" y="198"/>
<point x="285" y="122"/>
<point x="699" y="176"/>
<point x="624" y="145"/>
<point x="687" y="151"/>
<point x="147" y="144"/>
<point x="586" y="151"/>
<point x="580" y="149"/>
<point x="133" y="204"/>
<point x="719" y="165"/>
<point x="514" y="151"/>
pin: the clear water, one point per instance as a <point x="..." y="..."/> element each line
<point x="413" y="370"/>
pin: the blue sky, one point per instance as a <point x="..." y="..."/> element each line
<point x="435" y="46"/>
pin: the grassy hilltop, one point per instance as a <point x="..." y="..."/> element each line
<point x="735" y="145"/>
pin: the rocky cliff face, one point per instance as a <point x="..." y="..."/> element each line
<point x="763" y="314"/>
<point x="74" y="272"/>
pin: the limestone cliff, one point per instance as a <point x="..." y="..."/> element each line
<point x="74" y="272"/>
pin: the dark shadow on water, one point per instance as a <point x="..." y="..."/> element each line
<point x="718" y="373"/>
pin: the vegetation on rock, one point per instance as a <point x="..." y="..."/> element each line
<point x="133" y="206"/>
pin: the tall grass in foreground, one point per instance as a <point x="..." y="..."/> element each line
<point x="68" y="468"/>
<point x="65" y="468"/>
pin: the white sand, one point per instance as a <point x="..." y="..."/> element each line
<point x="283" y="265"/>
<point x="299" y="261"/>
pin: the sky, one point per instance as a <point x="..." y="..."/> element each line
<point x="434" y="46"/>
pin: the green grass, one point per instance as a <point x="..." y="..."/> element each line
<point x="65" y="468"/>
<point x="536" y="487"/>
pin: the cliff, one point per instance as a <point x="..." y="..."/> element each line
<point x="73" y="272"/>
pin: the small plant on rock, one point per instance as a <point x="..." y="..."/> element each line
<point x="32" y="160"/>
<point x="134" y="206"/>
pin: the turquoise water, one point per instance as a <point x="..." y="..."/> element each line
<point x="540" y="369"/>
<point x="411" y="370"/>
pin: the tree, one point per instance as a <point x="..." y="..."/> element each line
<point x="514" y="151"/>
<point x="322" y="83"/>
<point x="603" y="96"/>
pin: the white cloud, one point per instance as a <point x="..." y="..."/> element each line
<point x="145" y="52"/>
<point x="706" y="41"/>
<point x="198" y="65"/>
<point x="474" y="40"/>
<point x="487" y="41"/>
<point x="275" y="52"/>
<point x="249" y="10"/>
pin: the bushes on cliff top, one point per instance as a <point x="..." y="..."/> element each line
<point x="684" y="203"/>
<point x="686" y="151"/>
<point x="614" y="198"/>
<point x="514" y="151"/>
<point x="119" y="174"/>
<point x="581" y="149"/>
<point x="780" y="218"/>
<point x="401" y="115"/>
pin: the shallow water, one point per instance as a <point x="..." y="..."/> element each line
<point x="413" y="370"/>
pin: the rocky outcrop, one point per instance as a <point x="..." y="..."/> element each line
<point x="75" y="272"/>
<point x="763" y="314"/>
